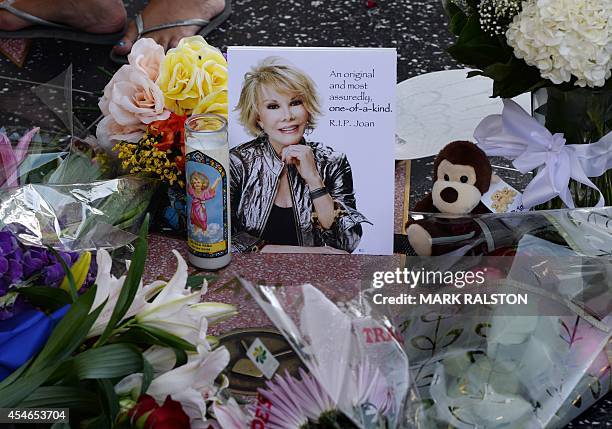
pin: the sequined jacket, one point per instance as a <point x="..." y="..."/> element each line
<point x="255" y="169"/>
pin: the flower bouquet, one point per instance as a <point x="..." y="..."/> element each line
<point x="359" y="376"/>
<point x="560" y="52"/>
<point x="461" y="366"/>
<point x="145" y="106"/>
<point x="54" y="176"/>
<point x="117" y="354"/>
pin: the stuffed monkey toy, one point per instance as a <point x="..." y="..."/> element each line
<point x="462" y="174"/>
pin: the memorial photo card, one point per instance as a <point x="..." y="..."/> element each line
<point x="311" y="135"/>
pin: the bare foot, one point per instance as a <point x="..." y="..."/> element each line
<point x="92" y="16"/>
<point x="165" y="11"/>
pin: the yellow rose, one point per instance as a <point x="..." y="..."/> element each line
<point x="193" y="78"/>
<point x="215" y="102"/>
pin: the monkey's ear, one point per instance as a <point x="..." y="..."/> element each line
<point x="495" y="179"/>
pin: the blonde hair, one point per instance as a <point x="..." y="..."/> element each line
<point x="274" y="71"/>
<point x="202" y="177"/>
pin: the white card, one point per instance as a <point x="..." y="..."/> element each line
<point x="356" y="92"/>
<point x="503" y="198"/>
<point x="263" y="359"/>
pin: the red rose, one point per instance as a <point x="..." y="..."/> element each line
<point x="145" y="404"/>
<point x="169" y="416"/>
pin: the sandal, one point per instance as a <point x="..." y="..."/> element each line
<point x="206" y="27"/>
<point x="47" y="29"/>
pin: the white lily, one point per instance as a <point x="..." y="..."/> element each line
<point x="162" y="359"/>
<point x="192" y="384"/>
<point x="108" y="289"/>
<point x="178" y="311"/>
<point x="230" y="415"/>
<point x="215" y="312"/>
<point x="170" y="310"/>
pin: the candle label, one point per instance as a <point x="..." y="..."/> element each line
<point x="207" y="210"/>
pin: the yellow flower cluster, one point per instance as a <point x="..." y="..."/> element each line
<point x="193" y="78"/>
<point x="144" y="158"/>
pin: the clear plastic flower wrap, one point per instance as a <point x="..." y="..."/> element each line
<point x="41" y="141"/>
<point x="46" y="229"/>
<point x="537" y="365"/>
<point x="77" y="217"/>
<point x="473" y="357"/>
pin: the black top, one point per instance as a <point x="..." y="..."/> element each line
<point x="280" y="228"/>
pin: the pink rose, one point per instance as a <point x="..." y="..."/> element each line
<point x="109" y="131"/>
<point x="132" y="98"/>
<point x="147" y="56"/>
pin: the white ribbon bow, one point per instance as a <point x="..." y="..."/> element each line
<point x="517" y="136"/>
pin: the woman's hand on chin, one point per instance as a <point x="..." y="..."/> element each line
<point x="301" y="156"/>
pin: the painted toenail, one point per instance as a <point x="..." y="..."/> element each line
<point x="121" y="43"/>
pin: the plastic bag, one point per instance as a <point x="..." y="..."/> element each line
<point x="490" y="365"/>
<point x="89" y="216"/>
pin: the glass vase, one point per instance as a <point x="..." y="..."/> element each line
<point x="583" y="115"/>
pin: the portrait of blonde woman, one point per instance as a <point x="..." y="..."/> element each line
<point x="288" y="193"/>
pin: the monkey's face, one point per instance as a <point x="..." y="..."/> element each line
<point x="455" y="190"/>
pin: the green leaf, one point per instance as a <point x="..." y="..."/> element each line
<point x="64" y="373"/>
<point x="69" y="276"/>
<point x="131" y="284"/>
<point x="474" y="73"/>
<point x="476" y="48"/>
<point x="137" y="336"/>
<point x="21" y="389"/>
<point x="147" y="376"/>
<point x="195" y="282"/>
<point x="47" y="298"/>
<point x="69" y="332"/>
<point x="111" y="401"/>
<point x="181" y="357"/>
<point x="458" y="22"/>
<point x="75" y="398"/>
<point x="14" y="375"/>
<point x="478" y="55"/>
<point x="99" y="422"/>
<point x="168" y="339"/>
<point x="75" y="168"/>
<point x="520" y="83"/>
<point x="471" y="31"/>
<point x="473" y="4"/>
<point x="114" y="360"/>
<point x="499" y="71"/>
<point x="451" y="8"/>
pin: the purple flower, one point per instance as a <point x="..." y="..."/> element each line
<point x="19" y="306"/>
<point x="20" y="263"/>
<point x="14" y="273"/>
<point x="33" y="261"/>
<point x="4" y="265"/>
<point x="53" y="274"/>
<point x="69" y="258"/>
<point x="8" y="243"/>
<point x="17" y="255"/>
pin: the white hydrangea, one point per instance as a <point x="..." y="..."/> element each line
<point x="564" y="38"/>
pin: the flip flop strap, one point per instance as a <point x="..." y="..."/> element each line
<point x="186" y="22"/>
<point x="6" y="5"/>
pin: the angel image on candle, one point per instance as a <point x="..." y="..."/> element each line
<point x="200" y="191"/>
